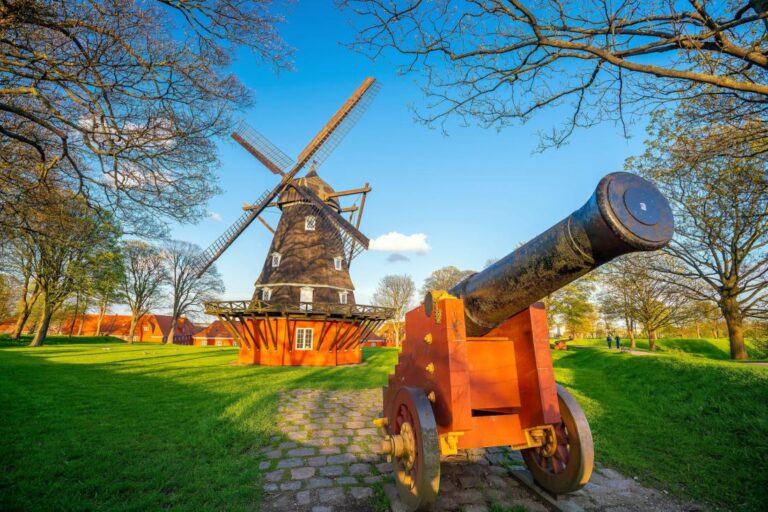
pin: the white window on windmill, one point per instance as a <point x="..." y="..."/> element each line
<point x="305" y="298"/>
<point x="310" y="221"/>
<point x="276" y="256"/>
<point x="266" y="293"/>
<point x="304" y="338"/>
<point x="337" y="262"/>
<point x="343" y="297"/>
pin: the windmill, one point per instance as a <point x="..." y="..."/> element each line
<point x="303" y="309"/>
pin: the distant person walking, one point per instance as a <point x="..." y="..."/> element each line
<point x="618" y="342"/>
<point x="609" y="339"/>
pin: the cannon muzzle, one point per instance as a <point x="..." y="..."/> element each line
<point x="625" y="214"/>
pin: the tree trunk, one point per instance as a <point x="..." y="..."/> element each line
<point x="21" y="321"/>
<point x="134" y="321"/>
<point x="631" y="333"/>
<point x="42" y="328"/>
<point x="171" y="332"/>
<point x="74" y="315"/>
<point x="397" y="334"/>
<point x="651" y="340"/>
<point x="734" y="320"/>
<point x="698" y="331"/>
<point x="102" y="312"/>
<point x="25" y="309"/>
<point x="82" y="319"/>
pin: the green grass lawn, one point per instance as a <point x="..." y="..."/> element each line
<point x="109" y="426"/>
<point x="694" y="426"/>
<point x="101" y="425"/>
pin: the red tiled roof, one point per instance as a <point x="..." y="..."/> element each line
<point x="215" y="330"/>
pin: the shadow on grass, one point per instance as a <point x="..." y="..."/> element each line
<point x="112" y="430"/>
<point x="87" y="437"/>
<point x="677" y="423"/>
<point x="7" y="341"/>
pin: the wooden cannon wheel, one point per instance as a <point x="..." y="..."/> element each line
<point x="569" y="467"/>
<point x="415" y="448"/>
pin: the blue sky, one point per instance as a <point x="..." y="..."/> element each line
<point x="475" y="193"/>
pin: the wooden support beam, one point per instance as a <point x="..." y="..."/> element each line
<point x="250" y="207"/>
<point x="266" y="225"/>
<point x="357" y="226"/>
<point x="352" y="208"/>
<point x="351" y="192"/>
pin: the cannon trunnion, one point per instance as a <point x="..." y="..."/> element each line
<point x="476" y="371"/>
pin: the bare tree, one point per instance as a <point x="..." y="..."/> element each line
<point x="188" y="292"/>
<point x="501" y="60"/>
<point x="121" y="101"/>
<point x="719" y="193"/>
<point x="444" y="278"/>
<point x="143" y="279"/>
<point x="395" y="291"/>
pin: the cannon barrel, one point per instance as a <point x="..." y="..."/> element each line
<point x="625" y="214"/>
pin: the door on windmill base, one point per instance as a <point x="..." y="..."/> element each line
<point x="305" y="297"/>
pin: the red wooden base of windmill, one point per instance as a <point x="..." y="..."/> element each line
<point x="273" y="334"/>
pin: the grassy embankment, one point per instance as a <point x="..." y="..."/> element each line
<point x="709" y="348"/>
<point x="693" y="425"/>
<point x="108" y="426"/>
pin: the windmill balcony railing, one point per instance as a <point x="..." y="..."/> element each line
<point x="322" y="309"/>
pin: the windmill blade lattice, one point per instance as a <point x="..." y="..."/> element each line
<point x="211" y="254"/>
<point x="319" y="150"/>
<point x="260" y="147"/>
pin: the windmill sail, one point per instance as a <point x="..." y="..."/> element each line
<point x="316" y="151"/>
<point x="260" y="147"/>
<point x="337" y="128"/>
<point x="212" y="253"/>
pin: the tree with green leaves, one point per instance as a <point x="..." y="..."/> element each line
<point x="714" y="175"/>
<point x="572" y="306"/>
<point x="67" y="235"/>
<point x="105" y="275"/>
<point x="20" y="255"/>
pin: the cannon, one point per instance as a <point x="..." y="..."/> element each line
<point x="475" y="370"/>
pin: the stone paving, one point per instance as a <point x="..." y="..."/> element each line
<point x="327" y="461"/>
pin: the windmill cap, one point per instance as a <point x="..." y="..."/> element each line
<point x="635" y="210"/>
<point x="315" y="183"/>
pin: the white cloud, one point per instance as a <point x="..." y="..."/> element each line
<point x="214" y="216"/>
<point x="398" y="242"/>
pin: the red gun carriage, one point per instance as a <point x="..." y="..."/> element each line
<point x="476" y="369"/>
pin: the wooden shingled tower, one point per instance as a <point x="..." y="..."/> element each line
<point x="303" y="310"/>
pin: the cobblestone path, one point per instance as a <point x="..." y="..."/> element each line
<point x="327" y="461"/>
